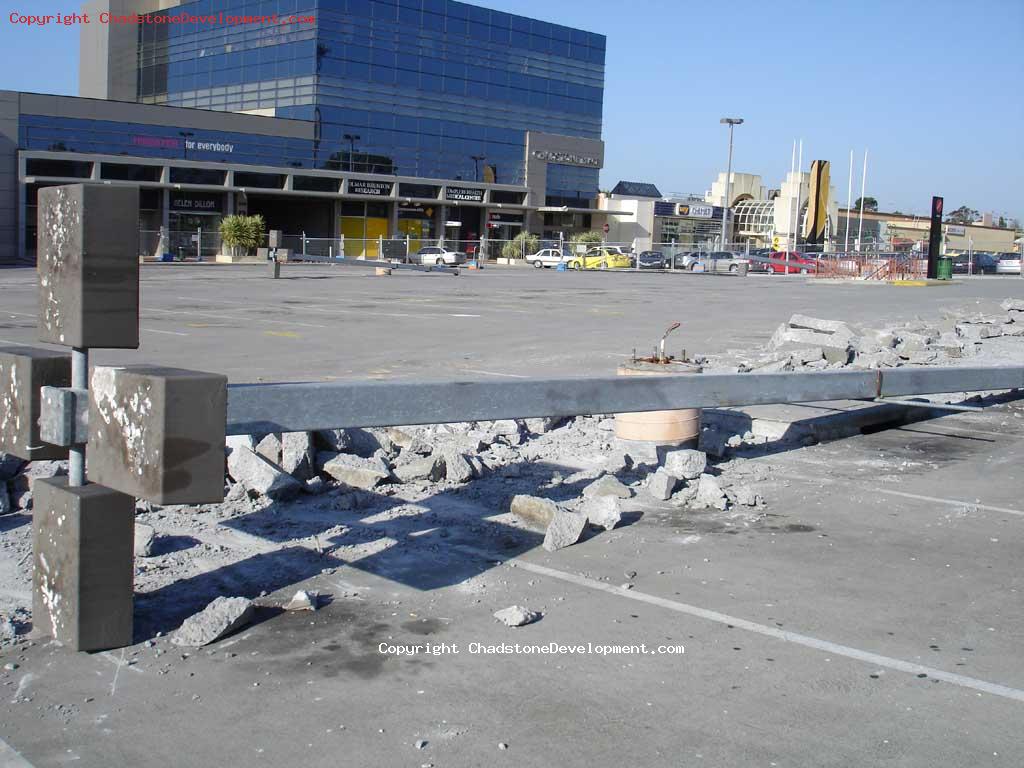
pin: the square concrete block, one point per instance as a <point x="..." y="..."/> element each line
<point x="88" y="264"/>
<point x="83" y="542"/>
<point x="158" y="433"/>
<point x="23" y="370"/>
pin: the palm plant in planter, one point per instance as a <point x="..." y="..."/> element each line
<point x="241" y="235"/>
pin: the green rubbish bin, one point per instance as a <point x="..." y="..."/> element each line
<point x="944" y="269"/>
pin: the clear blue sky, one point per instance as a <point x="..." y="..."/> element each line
<point x="934" y="90"/>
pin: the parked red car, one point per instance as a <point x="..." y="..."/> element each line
<point x="799" y="264"/>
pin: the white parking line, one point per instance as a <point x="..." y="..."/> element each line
<point x="494" y="373"/>
<point x="233" y="317"/>
<point x="904" y="494"/>
<point x="11" y="758"/>
<point x="807" y="641"/>
<point x="169" y="333"/>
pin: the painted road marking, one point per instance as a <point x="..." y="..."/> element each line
<point x="807" y="641"/>
<point x="11" y="758"/>
<point x="169" y="333"/>
<point x="284" y="334"/>
<point x="904" y="494"/>
<point x="494" y="373"/>
<point x="193" y="312"/>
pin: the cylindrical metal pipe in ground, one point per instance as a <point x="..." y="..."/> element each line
<point x="79" y="380"/>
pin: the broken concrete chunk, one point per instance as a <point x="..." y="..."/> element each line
<point x="409" y="443"/>
<point x="712" y="440"/>
<point x="661" y="485"/>
<point x="564" y="530"/>
<point x="808" y="355"/>
<point x="315" y="486"/>
<point x="336" y="440"/>
<point x="710" y="493"/>
<point x="9" y="466"/>
<point x="831" y="327"/>
<point x="238" y="441"/>
<point x="427" y="468"/>
<point x="544" y="425"/>
<point x="607" y="485"/>
<point x="219" y="619"/>
<point x="298" y="457"/>
<point x="516" y="616"/>
<point x="774" y="366"/>
<point x="302" y="601"/>
<point x="883" y="358"/>
<point x="533" y="510"/>
<point x="357" y="472"/>
<point x="746" y="496"/>
<point x="975" y="331"/>
<point x="270" y="448"/>
<point x="477" y="465"/>
<point x="145" y="535"/>
<point x="456" y="468"/>
<point x="1013" y="305"/>
<point x="617" y="461"/>
<point x="603" y="512"/>
<point x="686" y="464"/>
<point x="260" y="476"/>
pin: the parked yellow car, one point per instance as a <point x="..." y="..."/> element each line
<point x="601" y="258"/>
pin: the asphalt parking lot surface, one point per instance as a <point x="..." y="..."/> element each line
<point x="871" y="616"/>
<point x="319" y="323"/>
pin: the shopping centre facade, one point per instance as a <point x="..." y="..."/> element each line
<point x="425" y="119"/>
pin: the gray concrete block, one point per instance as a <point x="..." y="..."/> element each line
<point x="607" y="485"/>
<point x="298" y="457"/>
<point x="661" y="485"/>
<point x="23" y="370"/>
<point x="256" y="474"/>
<point x="88" y="265"/>
<point x="158" y="433"/>
<point x="533" y="510"/>
<point x="83" y="541"/>
<point x="565" y="530"/>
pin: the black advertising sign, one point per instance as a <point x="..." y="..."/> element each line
<point x="196" y="202"/>
<point x="364" y="187"/>
<point x="464" y="194"/>
<point x="935" y="238"/>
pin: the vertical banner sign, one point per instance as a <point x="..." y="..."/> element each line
<point x="935" y="238"/>
<point x="817" y="215"/>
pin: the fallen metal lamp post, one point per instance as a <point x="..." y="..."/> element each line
<point x="158" y="433"/>
<point x="264" y="408"/>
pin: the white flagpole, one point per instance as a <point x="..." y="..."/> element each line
<point x="849" y="204"/>
<point x="863" y="186"/>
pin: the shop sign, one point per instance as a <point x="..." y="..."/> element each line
<point x="464" y="194"/>
<point x="691" y="211"/>
<point x="364" y="187"/>
<point x="500" y="217"/>
<point x="566" y="158"/>
<point x="955" y="229"/>
<point x="196" y="203"/>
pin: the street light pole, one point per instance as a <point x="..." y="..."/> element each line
<point x="351" y="138"/>
<point x="731" y="122"/>
<point x="185" y="135"/>
<point x="476" y="165"/>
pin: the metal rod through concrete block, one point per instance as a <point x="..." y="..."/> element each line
<point x="79" y="380"/>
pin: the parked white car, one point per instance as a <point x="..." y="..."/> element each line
<point x="547" y="257"/>
<point x="435" y="255"/>
<point x="1009" y="264"/>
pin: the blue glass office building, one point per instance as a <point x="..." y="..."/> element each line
<point x="421" y="94"/>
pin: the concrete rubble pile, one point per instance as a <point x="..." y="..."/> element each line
<point x="561" y="480"/>
<point x="810" y="343"/>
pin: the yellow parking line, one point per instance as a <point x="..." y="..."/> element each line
<point x="283" y="334"/>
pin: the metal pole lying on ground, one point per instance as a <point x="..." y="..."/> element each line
<point x="264" y="408"/>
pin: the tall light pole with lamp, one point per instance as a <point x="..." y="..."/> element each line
<point x="351" y="138"/>
<point x="731" y="122"/>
